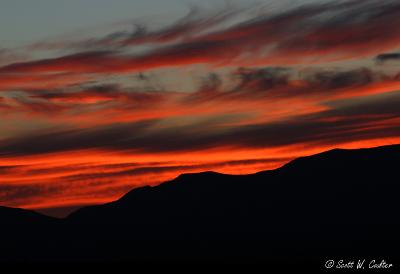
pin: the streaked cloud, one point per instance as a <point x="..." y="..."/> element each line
<point x="237" y="90"/>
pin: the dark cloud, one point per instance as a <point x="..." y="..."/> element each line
<point x="195" y="23"/>
<point x="261" y="79"/>
<point x="280" y="82"/>
<point x="101" y="93"/>
<point x="61" y="94"/>
<point x="80" y="62"/>
<point x="336" y="79"/>
<point x="381" y="58"/>
<point x="338" y="28"/>
<point x="352" y="29"/>
<point x="210" y="84"/>
<point x="13" y="193"/>
<point x="344" y="121"/>
<point x="386" y="105"/>
<point x="210" y="89"/>
<point x="74" y="139"/>
<point x="7" y="169"/>
<point x="283" y="82"/>
<point x="37" y="107"/>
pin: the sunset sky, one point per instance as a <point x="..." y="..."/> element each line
<point x="98" y="97"/>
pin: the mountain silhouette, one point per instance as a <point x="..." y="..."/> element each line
<point x="336" y="204"/>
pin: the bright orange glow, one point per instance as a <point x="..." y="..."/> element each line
<point x="95" y="177"/>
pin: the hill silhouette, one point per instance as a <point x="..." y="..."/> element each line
<point x="336" y="204"/>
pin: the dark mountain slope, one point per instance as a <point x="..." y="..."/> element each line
<point x="21" y="217"/>
<point x="334" y="204"/>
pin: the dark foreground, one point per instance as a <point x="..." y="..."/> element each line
<point x="338" y="205"/>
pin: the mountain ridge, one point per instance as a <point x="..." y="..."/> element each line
<point x="183" y="175"/>
<point x="335" y="203"/>
<point x="290" y="163"/>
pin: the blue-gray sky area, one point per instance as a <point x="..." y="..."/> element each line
<point x="98" y="97"/>
<point x="26" y="21"/>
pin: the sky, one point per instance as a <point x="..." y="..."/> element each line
<point x="100" y="97"/>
